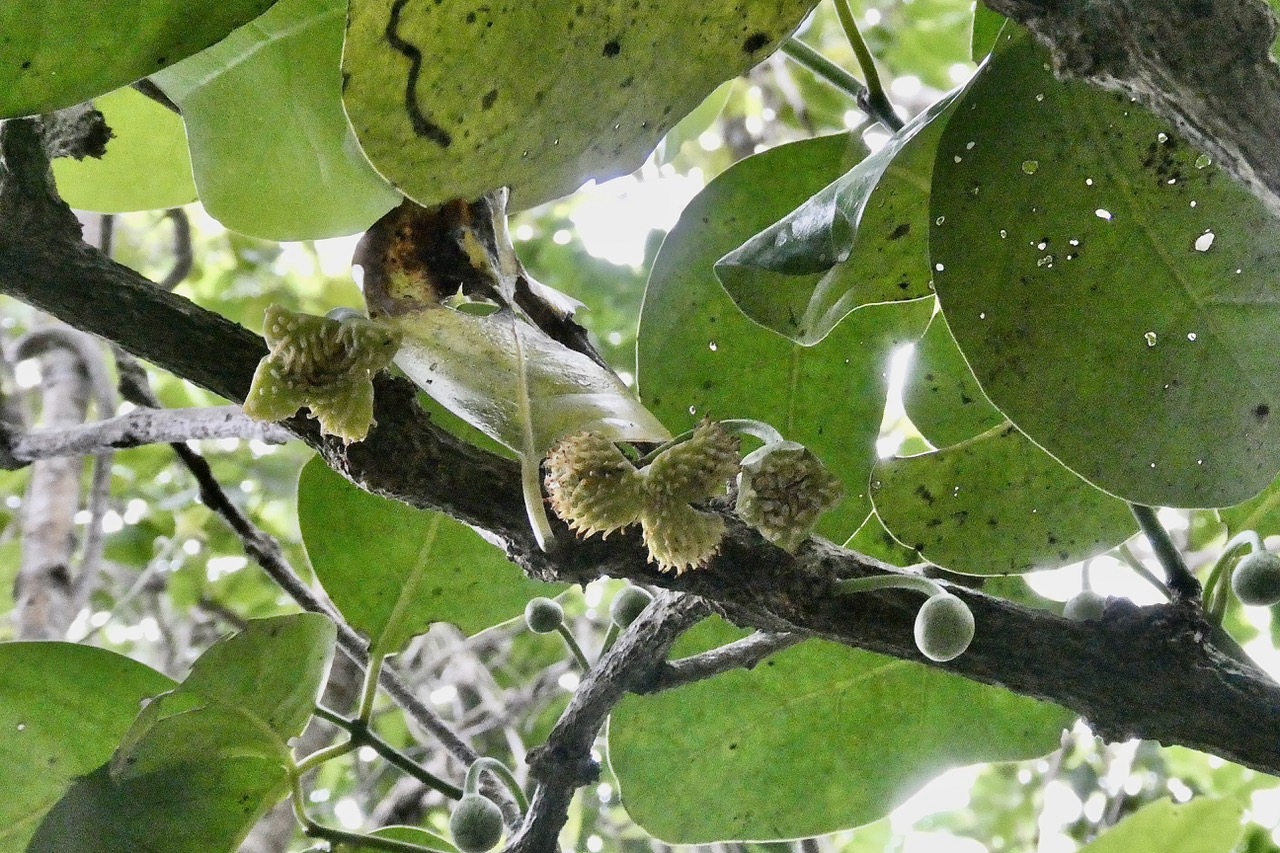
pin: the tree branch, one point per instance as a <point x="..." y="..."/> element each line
<point x="1204" y="65"/>
<point x="1146" y="672"/>
<point x="144" y="426"/>
<point x="740" y="654"/>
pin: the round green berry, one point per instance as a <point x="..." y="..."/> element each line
<point x="476" y="824"/>
<point x="1256" y="579"/>
<point x="543" y="616"/>
<point x="1085" y="606"/>
<point x="627" y="605"/>
<point x="944" y="627"/>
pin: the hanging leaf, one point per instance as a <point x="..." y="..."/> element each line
<point x="815" y="739"/>
<point x="146" y="166"/>
<point x="862" y="240"/>
<point x="392" y="570"/>
<point x="60" y="54"/>
<point x="698" y="355"/>
<point x="63" y="709"/>
<point x="499" y="373"/>
<point x="438" y="130"/>
<point x="272" y="151"/>
<point x="996" y="504"/>
<point x="1111" y="289"/>
<point x="940" y="394"/>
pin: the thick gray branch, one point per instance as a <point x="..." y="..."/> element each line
<point x="741" y="654"/>
<point x="145" y="426"/>
<point x="1204" y="65"/>
<point x="1141" y="672"/>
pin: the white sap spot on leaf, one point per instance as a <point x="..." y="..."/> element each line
<point x="982" y="315"/>
<point x="968" y="146"/>
<point x="940" y="220"/>
<point x="1191" y="336"/>
<point x="958" y="158"/>
<point x="1088" y="182"/>
<point x="1203" y="160"/>
<point x="1003" y="234"/>
<point x="693" y="410"/>
<point x="1029" y="166"/>
<point x="1102" y="213"/>
<point x="1193" y="202"/>
<point x="1046" y="261"/>
<point x="1042" y="245"/>
<point x="1204" y="241"/>
<point x="711" y="345"/>
<point x="1040" y="97"/>
<point x="1150" y="338"/>
<point x="1162" y="138"/>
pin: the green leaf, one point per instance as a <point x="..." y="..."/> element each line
<point x="941" y="396"/>
<point x="698" y="355"/>
<point x="146" y="166"/>
<point x="392" y="570"/>
<point x="1260" y="513"/>
<point x="272" y="669"/>
<point x="996" y="504"/>
<point x="862" y="240"/>
<point x="411" y="834"/>
<point x="439" y="130"/>
<point x="817" y="738"/>
<point x="59" y="54"/>
<point x="986" y="28"/>
<point x="873" y="540"/>
<point x="63" y="709"/>
<point x="1204" y="825"/>
<point x="190" y="808"/>
<point x="272" y="151"/>
<point x="1110" y="289"/>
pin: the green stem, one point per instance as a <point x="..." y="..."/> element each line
<point x="569" y="641"/>
<point x="531" y="485"/>
<point x="1215" y="588"/>
<point x="737" y="426"/>
<point x="370" y="690"/>
<point x="320" y="756"/>
<point x="472" y="783"/>
<point x="610" y="637"/>
<point x="362" y="735"/>
<point x="1142" y="571"/>
<point x="1182" y="584"/>
<point x="876" y="101"/>
<point x="356" y="839"/>
<point x="874" y="582"/>
<point x="824" y="69"/>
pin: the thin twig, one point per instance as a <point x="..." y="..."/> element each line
<point x="564" y="762"/>
<point x="1131" y="559"/>
<point x="183" y="259"/>
<point x="740" y="654"/>
<point x="876" y="102"/>
<point x="145" y="426"/>
<point x="1182" y="584"/>
<point x="824" y="69"/>
<point x="363" y="735"/>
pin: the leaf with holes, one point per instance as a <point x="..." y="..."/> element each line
<point x="996" y="504"/>
<point x="1112" y="290"/>
<point x="272" y="151"/>
<point x="59" y="54"/>
<point x="862" y="240"/>
<point x="698" y="355"/>
<point x="429" y="568"/>
<point x="817" y="738"/>
<point x="438" y="130"/>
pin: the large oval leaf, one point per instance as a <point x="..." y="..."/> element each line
<point x="818" y="738"/>
<point x="699" y="355"/>
<point x="59" y="54"/>
<point x="146" y="166"/>
<point x="63" y="709"/>
<point x="392" y="570"/>
<point x="457" y="97"/>
<point x="862" y="240"/>
<point x="272" y="152"/>
<point x="1112" y="291"/>
<point x="996" y="504"/>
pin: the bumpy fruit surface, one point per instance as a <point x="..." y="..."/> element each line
<point x="1085" y="606"/>
<point x="627" y="606"/>
<point x="944" y="627"/>
<point x="782" y="491"/>
<point x="543" y="616"/>
<point x="1256" y="579"/>
<point x="680" y="537"/>
<point x="592" y="485"/>
<point x="696" y="469"/>
<point x="476" y="824"/>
